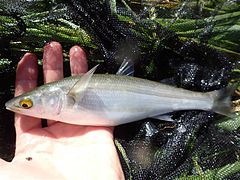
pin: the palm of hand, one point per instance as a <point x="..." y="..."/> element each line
<point x="60" y="150"/>
<point x="63" y="150"/>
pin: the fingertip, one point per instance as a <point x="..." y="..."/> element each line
<point x="27" y="68"/>
<point x="52" y="56"/>
<point x="78" y="60"/>
<point x="77" y="49"/>
<point x="52" y="44"/>
<point x="26" y="74"/>
<point x="52" y="62"/>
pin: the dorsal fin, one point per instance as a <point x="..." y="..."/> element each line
<point x="126" y="68"/>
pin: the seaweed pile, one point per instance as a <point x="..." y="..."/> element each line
<point x="190" y="44"/>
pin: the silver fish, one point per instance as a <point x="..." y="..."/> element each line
<point x="110" y="100"/>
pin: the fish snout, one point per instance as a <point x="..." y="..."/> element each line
<point x="10" y="105"/>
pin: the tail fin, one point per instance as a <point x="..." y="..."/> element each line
<point x="222" y="101"/>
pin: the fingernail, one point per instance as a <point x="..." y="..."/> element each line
<point x="76" y="50"/>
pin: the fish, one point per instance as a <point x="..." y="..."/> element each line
<point x="114" y="99"/>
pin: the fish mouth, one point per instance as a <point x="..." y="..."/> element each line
<point x="12" y="109"/>
<point x="7" y="105"/>
<point x="10" y="106"/>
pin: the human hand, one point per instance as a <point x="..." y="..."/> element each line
<point x="59" y="151"/>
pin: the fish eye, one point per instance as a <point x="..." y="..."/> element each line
<point x="26" y="103"/>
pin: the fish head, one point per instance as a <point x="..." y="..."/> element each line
<point x="41" y="102"/>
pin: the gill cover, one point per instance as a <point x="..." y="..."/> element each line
<point x="51" y="102"/>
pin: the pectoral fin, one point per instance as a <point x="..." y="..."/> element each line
<point x="77" y="91"/>
<point x="164" y="117"/>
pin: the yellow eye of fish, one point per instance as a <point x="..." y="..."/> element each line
<point x="26" y="103"/>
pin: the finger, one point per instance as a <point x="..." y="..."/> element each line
<point x="52" y="64"/>
<point x="78" y="60"/>
<point x="26" y="80"/>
